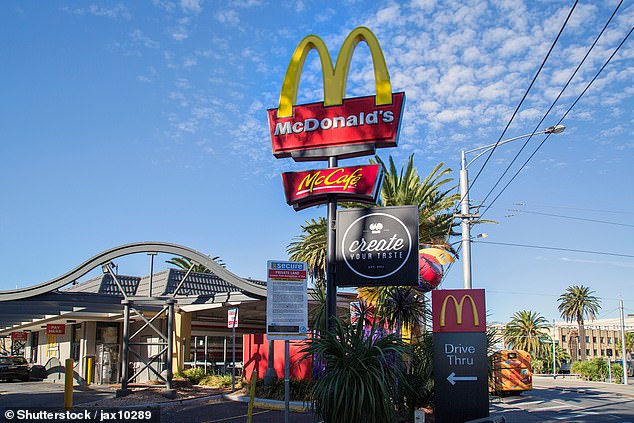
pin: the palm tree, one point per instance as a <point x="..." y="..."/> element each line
<point x="433" y="201"/>
<point x="185" y="264"/>
<point x="311" y="248"/>
<point x="524" y="330"/>
<point x="398" y="307"/>
<point x="436" y="221"/>
<point x="577" y="304"/>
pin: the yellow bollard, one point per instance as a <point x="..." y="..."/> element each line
<point x="68" y="384"/>
<point x="254" y="380"/>
<point x="88" y="370"/>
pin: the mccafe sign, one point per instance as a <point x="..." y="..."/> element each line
<point x="357" y="184"/>
<point x="377" y="246"/>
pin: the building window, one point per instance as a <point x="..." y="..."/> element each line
<point x="587" y="352"/>
<point x="594" y="353"/>
<point x="602" y="339"/>
<point x="563" y="338"/>
<point x="602" y="353"/>
<point x="609" y="340"/>
<point x="587" y="339"/>
<point x="594" y="339"/>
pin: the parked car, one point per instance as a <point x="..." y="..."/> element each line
<point x="14" y="368"/>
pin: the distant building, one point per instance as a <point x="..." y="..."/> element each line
<point x="601" y="335"/>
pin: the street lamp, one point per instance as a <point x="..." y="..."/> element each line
<point x="465" y="214"/>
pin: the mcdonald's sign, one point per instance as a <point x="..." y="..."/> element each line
<point x="458" y="310"/>
<point x="337" y="127"/>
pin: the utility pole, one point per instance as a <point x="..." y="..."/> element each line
<point x="623" y="350"/>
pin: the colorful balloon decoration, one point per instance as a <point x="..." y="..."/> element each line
<point x="431" y="271"/>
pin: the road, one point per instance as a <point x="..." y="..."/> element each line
<point x="568" y="400"/>
<point x="44" y="394"/>
<point x="560" y="400"/>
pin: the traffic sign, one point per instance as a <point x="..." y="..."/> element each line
<point x="232" y="318"/>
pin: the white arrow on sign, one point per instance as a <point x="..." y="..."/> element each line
<point x="452" y="378"/>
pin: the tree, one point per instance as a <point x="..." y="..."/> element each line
<point x="524" y="330"/>
<point x="359" y="383"/>
<point x="561" y="356"/>
<point x="404" y="187"/>
<point x="577" y="304"/>
<point x="185" y="263"/>
<point x="434" y="202"/>
<point x="311" y="248"/>
<point x="629" y="343"/>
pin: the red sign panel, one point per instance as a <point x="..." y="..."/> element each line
<point x="458" y="310"/>
<point x="358" y="121"/>
<point x="55" y="329"/>
<point x="287" y="275"/>
<point x="19" y="336"/>
<point x="357" y="183"/>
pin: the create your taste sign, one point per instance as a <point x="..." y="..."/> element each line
<point x="287" y="300"/>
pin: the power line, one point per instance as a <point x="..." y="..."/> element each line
<point x="555" y="248"/>
<point x="523" y="98"/>
<point x="562" y="118"/>
<point x="596" y="40"/>
<point x="571" y="217"/>
<point x="575" y="208"/>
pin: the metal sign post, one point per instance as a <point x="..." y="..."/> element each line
<point x="232" y="322"/>
<point x="286" y="310"/>
<point x="287" y="376"/>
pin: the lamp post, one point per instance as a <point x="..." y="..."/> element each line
<point x="465" y="214"/>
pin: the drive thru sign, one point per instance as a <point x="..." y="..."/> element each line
<point x="460" y="354"/>
<point x="286" y="300"/>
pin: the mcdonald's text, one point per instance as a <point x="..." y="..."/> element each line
<point x="356" y="121"/>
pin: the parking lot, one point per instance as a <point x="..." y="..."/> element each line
<point x="51" y="395"/>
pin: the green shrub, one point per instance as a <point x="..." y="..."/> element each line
<point x="300" y="390"/>
<point x="617" y="373"/>
<point x="194" y="375"/>
<point x="359" y="383"/>
<point x="220" y="381"/>
<point x="596" y="369"/>
<point x="420" y="392"/>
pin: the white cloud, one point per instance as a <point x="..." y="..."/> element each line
<point x="228" y="16"/>
<point x="119" y="11"/>
<point x="191" y="6"/>
<point x="390" y="14"/>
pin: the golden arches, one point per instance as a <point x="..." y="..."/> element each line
<point x="334" y="78"/>
<point x="459" y="306"/>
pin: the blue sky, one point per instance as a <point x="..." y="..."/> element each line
<point x="133" y="121"/>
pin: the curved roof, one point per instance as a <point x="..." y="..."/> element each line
<point x="104" y="257"/>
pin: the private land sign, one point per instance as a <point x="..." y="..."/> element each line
<point x="287" y="300"/>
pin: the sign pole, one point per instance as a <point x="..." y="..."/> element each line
<point x="233" y="365"/>
<point x="331" y="254"/>
<point x="287" y="372"/>
<point x="232" y="322"/>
